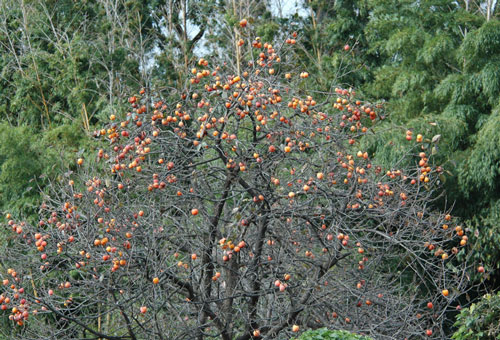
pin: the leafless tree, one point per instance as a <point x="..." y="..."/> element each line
<point x="240" y="208"/>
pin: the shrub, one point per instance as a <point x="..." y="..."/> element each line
<point x="480" y="321"/>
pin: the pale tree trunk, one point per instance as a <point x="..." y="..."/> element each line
<point x="184" y="34"/>
<point x="237" y="38"/>
<point x="490" y="9"/>
<point x="35" y="65"/>
<point x="316" y="48"/>
<point x="108" y="6"/>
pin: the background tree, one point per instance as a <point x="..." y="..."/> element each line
<point x="330" y="29"/>
<point x="434" y="65"/>
<point x="438" y="76"/>
<point x="181" y="26"/>
<point x="240" y="208"/>
<point x="64" y="66"/>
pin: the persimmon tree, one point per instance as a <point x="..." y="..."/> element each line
<point x="240" y="208"/>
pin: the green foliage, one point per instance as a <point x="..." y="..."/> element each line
<point x="439" y="73"/>
<point x="267" y="31"/>
<point x="326" y="334"/>
<point x="29" y="159"/>
<point x="481" y="46"/>
<point x="60" y="76"/>
<point x="435" y="49"/>
<point x="21" y="163"/>
<point x="486" y="235"/>
<point x="481" y="321"/>
<point x="324" y="34"/>
<point x="481" y="169"/>
<point x="56" y="71"/>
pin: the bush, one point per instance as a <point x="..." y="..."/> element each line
<point x="480" y="321"/>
